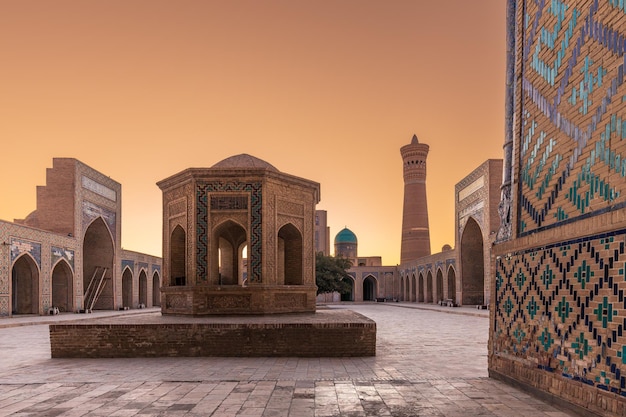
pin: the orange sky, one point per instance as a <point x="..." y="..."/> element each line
<point x="326" y="90"/>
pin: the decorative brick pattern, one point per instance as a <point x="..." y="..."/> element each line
<point x="572" y="152"/>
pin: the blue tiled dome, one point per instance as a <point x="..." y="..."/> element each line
<point x="345" y="236"/>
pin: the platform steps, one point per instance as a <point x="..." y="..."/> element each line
<point x="95" y="287"/>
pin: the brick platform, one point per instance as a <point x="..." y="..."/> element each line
<point x="323" y="334"/>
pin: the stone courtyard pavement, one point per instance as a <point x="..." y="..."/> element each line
<point x="428" y="363"/>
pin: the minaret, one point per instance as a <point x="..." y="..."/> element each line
<point x="415" y="234"/>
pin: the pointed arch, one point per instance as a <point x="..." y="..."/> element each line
<point x="350" y="295"/>
<point x="62" y="286"/>
<point x="156" y="289"/>
<point x="369" y="288"/>
<point x="98" y="256"/>
<point x="143" y="287"/>
<point x="413" y="288"/>
<point x="178" y="256"/>
<point x="290" y="255"/>
<point x="420" y="288"/>
<point x="25" y="285"/>
<point x="472" y="264"/>
<point x="439" y="285"/>
<point x="229" y="239"/>
<point x="127" y="288"/>
<point x="429" y="287"/>
<point x="452" y="284"/>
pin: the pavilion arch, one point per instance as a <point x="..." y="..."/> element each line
<point x="350" y="295"/>
<point x="290" y="255"/>
<point x="370" y="286"/>
<point x="62" y="286"/>
<point x="229" y="239"/>
<point x="429" y="287"/>
<point x="413" y="288"/>
<point x="452" y="284"/>
<point x="420" y="288"/>
<point x="156" y="289"/>
<point x="439" y="285"/>
<point x="98" y="256"/>
<point x="178" y="255"/>
<point x="127" y="288"/>
<point x="472" y="264"/>
<point x="402" y="288"/>
<point x="143" y="287"/>
<point x="25" y="285"/>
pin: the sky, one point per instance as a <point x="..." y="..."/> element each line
<point x="327" y="90"/>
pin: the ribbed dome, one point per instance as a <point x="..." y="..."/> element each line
<point x="244" y="161"/>
<point x="345" y="236"/>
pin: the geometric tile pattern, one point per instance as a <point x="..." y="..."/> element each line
<point x="202" y="203"/>
<point x="562" y="308"/>
<point x="20" y="246"/>
<point x="62" y="253"/>
<point x="572" y="134"/>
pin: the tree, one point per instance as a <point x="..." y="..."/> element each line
<point x="331" y="274"/>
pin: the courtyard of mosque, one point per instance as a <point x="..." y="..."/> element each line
<point x="430" y="361"/>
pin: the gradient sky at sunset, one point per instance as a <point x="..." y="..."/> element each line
<point x="325" y="90"/>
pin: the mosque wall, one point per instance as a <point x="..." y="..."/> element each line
<point x="559" y="312"/>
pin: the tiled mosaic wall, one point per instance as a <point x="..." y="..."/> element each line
<point x="560" y="308"/>
<point x="571" y="111"/>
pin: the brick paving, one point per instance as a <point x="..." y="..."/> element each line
<point x="428" y="363"/>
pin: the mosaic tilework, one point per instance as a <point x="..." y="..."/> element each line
<point x="562" y="308"/>
<point x="92" y="211"/>
<point x="255" y="238"/>
<point x="62" y="253"/>
<point x="128" y="263"/>
<point x="20" y="246"/>
<point x="572" y="110"/>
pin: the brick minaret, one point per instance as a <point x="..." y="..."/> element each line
<point x="415" y="235"/>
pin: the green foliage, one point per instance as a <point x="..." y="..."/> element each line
<point x="331" y="275"/>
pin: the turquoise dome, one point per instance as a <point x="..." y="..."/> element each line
<point x="345" y="236"/>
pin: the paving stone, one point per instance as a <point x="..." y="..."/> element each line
<point x="414" y="373"/>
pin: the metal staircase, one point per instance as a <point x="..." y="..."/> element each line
<point x="95" y="287"/>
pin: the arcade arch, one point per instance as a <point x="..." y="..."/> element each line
<point x="413" y="288"/>
<point x="369" y="288"/>
<point x="156" y="289"/>
<point x="349" y="296"/>
<point x="452" y="284"/>
<point x="25" y="286"/>
<point x="143" y="288"/>
<point x="62" y="286"/>
<point x="472" y="264"/>
<point x="229" y="239"/>
<point x="429" y="287"/>
<point x="420" y="288"/>
<point x="178" y="254"/>
<point x="127" y="288"/>
<point x="290" y="255"/>
<point x="439" y="286"/>
<point x="98" y="257"/>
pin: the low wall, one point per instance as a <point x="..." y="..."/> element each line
<point x="311" y="335"/>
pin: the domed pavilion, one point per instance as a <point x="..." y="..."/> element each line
<point x="238" y="238"/>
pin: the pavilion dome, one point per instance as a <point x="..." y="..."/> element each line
<point x="244" y="161"/>
<point x="345" y="236"/>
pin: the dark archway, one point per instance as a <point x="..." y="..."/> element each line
<point x="452" y="285"/>
<point x="369" y="289"/>
<point x="439" y="285"/>
<point x="178" y="254"/>
<point x="420" y="288"/>
<point x="472" y="264"/>
<point x="98" y="257"/>
<point x="62" y="286"/>
<point x="290" y="255"/>
<point x="156" y="290"/>
<point x="25" y="286"/>
<point x="127" y="288"/>
<point x="413" y="288"/>
<point x="143" y="288"/>
<point x="349" y="296"/>
<point x="229" y="239"/>
<point x="429" y="287"/>
<point x="402" y="289"/>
